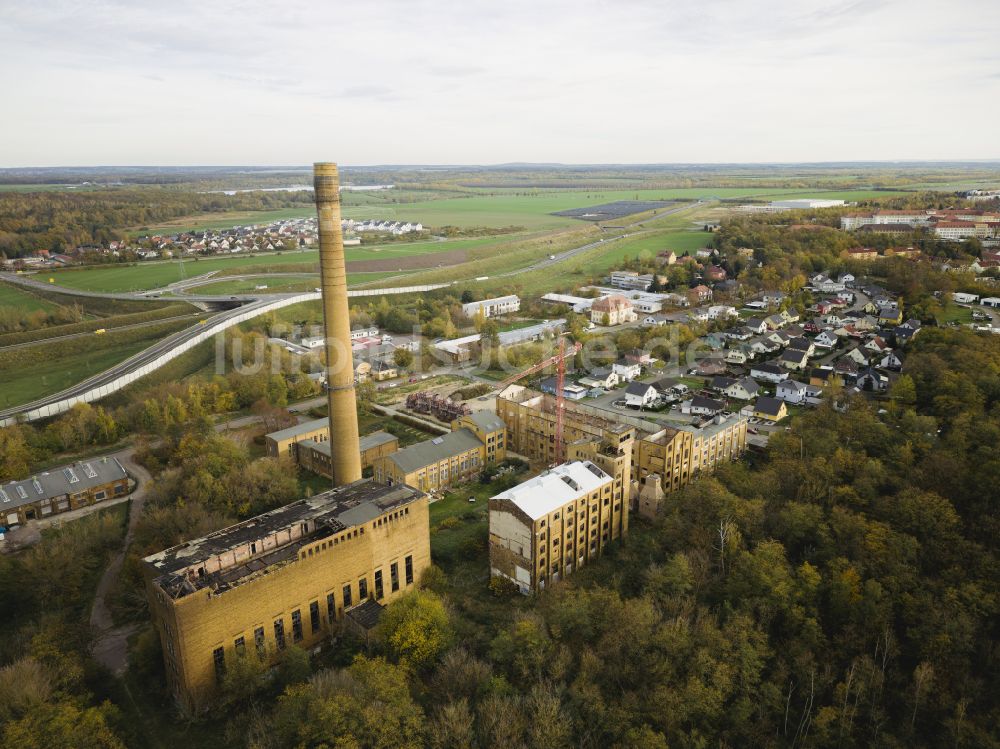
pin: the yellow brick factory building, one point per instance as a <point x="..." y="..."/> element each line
<point x="287" y="577"/>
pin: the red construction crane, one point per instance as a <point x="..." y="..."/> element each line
<point x="560" y="361"/>
<point x="560" y="400"/>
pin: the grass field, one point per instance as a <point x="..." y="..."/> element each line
<point x="955" y="313"/>
<point x="223" y="220"/>
<point x="505" y="208"/>
<point x="157" y="274"/>
<point x="532" y="208"/>
<point x="682" y="242"/>
<point x="40" y="380"/>
<point x="11" y="296"/>
<point x="673" y="232"/>
<point x="526" y="207"/>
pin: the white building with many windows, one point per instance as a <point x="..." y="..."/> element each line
<point x="500" y="305"/>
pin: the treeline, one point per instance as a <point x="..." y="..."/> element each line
<point x="60" y="221"/>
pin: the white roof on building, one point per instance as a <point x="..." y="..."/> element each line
<point x="578" y="303"/>
<point x="549" y="491"/>
<point x="507" y="338"/>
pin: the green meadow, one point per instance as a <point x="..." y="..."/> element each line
<point x="157" y="274"/>
<point x="11" y="296"/>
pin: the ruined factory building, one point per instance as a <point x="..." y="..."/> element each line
<point x="549" y="525"/>
<point x="285" y="577"/>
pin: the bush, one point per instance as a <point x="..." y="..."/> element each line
<point x="502" y="587"/>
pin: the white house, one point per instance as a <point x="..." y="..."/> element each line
<point x="891" y="361"/>
<point x="763" y="346"/>
<point x="772" y="298"/>
<point x="791" y="391"/>
<point x="743" y="389"/>
<point x="768" y="372"/>
<point x="826" y="339"/>
<point x="857" y="356"/>
<point x="640" y="394"/>
<point x="626" y="370"/>
<point x="602" y="377"/>
<point x="721" y="311"/>
<point x="736" y="356"/>
<point x="877" y="346"/>
<point x="827" y="285"/>
<point x="702" y="406"/>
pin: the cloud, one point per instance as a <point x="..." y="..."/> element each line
<point x="447" y="81"/>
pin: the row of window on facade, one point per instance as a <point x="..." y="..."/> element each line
<point x="315" y="624"/>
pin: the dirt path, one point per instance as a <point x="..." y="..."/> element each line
<point x="110" y="646"/>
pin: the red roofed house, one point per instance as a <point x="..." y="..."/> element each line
<point x="699" y="293"/>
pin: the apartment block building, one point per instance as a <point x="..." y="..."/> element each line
<point x="552" y="524"/>
<point x="286" y="577"/>
<point x="627" y="279"/>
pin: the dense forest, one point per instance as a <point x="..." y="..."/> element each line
<point x="58" y="221"/>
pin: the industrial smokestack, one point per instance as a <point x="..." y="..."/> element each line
<point x="345" y="446"/>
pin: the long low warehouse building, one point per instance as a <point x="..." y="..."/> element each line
<point x="61" y="490"/>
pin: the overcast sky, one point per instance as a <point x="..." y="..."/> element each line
<point x="467" y="81"/>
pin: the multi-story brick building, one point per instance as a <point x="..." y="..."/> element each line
<point x="308" y="444"/>
<point x="548" y="526"/>
<point x="314" y="455"/>
<point x="283" y="442"/>
<point x="676" y="454"/>
<point x="475" y="441"/>
<point x="283" y="578"/>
